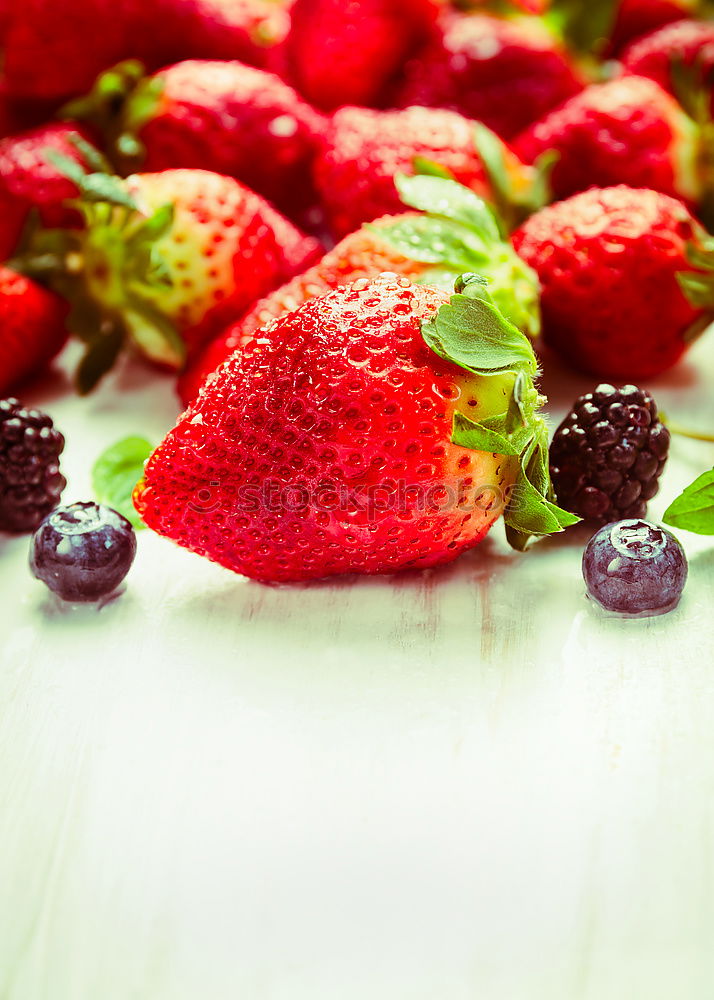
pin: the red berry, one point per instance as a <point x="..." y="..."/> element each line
<point x="609" y="263"/>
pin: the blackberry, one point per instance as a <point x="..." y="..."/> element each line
<point x="31" y="483"/>
<point x="608" y="454"/>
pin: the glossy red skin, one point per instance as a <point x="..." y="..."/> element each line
<point x="341" y="52"/>
<point x="364" y="149"/>
<point x="239" y="121"/>
<point x="506" y="74"/>
<point x="608" y="262"/>
<point x="636" y="18"/>
<point x="617" y="132"/>
<point x="28" y="180"/>
<point x="687" y="42"/>
<point x="56" y="48"/>
<point x="362" y="254"/>
<point x="343" y="396"/>
<point x="32" y="328"/>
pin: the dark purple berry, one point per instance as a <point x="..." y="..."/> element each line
<point x="31" y="483"/>
<point x="83" y="552"/>
<point x="635" y="568"/>
<point x="608" y="454"/>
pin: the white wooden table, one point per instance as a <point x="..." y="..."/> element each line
<point x="463" y="785"/>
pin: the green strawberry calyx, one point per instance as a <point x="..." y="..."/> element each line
<point x="458" y="233"/>
<point x="697" y="285"/>
<point x="471" y="332"/>
<point x="110" y="271"/>
<point x="121" y="102"/>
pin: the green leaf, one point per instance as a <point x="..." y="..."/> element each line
<point x="584" y="24"/>
<point x="693" y="509"/>
<point x="698" y="288"/>
<point x="471" y="332"/>
<point x="117" y="471"/>
<point x="492" y="151"/>
<point x="434" y="241"/>
<point x="96" y="161"/>
<point x="481" y="437"/>
<point x="449" y="200"/>
<point x="431" y="168"/>
<point x="99" y="358"/>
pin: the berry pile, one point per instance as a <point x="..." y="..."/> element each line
<point x="31" y="483"/>
<point x="274" y="201"/>
<point x="608" y="454"/>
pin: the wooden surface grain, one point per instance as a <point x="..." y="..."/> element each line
<point x="456" y="785"/>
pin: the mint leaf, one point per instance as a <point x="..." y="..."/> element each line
<point x="117" y="471"/>
<point x="434" y="241"/>
<point x="471" y="332"/>
<point x="693" y="509"/>
<point x="449" y="200"/>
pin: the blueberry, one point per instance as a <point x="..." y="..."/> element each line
<point x="83" y="552"/>
<point x="635" y="568"/>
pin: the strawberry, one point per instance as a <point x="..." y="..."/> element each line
<point x="365" y="149"/>
<point x="504" y="73"/>
<point x="347" y="51"/>
<point x="222" y="116"/>
<point x="32" y="328"/>
<point x="56" y="48"/>
<point x="30" y="181"/>
<point x="635" y="18"/>
<point x="627" y="278"/>
<point x="659" y="55"/>
<point x="455" y="220"/>
<point x="626" y="131"/>
<point x="165" y="260"/>
<point x="381" y="427"/>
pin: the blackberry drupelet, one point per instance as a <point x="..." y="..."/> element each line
<point x="31" y="483"/>
<point x="608" y="454"/>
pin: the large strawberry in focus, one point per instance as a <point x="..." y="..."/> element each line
<point x="32" y="328"/>
<point x="456" y="233"/>
<point x="56" y="48"/>
<point x="627" y="280"/>
<point x="364" y="150"/>
<point x="627" y="131"/>
<point x="31" y="181"/>
<point x="342" y="52"/>
<point x="504" y="73"/>
<point x="164" y="261"/>
<point x="222" y="116"/>
<point x="382" y="427"/>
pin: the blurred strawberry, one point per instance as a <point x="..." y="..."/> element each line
<point x="56" y="48"/>
<point x="32" y="328"/>
<point x="222" y="116"/>
<point x="662" y="55"/>
<point x="165" y="261"/>
<point x="347" y="51"/>
<point x="626" y="131"/>
<point x="457" y="233"/>
<point x="29" y="180"/>
<point x="504" y="73"/>
<point x="635" y="18"/>
<point x="365" y="149"/>
<point x="627" y="280"/>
